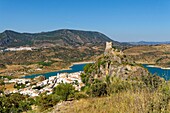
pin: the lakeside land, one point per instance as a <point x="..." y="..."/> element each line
<point x="168" y="68"/>
<point x="14" y="63"/>
<point x="157" y="55"/>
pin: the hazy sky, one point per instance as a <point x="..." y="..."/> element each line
<point x="121" y="20"/>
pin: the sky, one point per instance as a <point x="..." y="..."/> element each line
<point x="121" y="20"/>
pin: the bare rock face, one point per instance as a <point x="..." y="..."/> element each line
<point x="121" y="66"/>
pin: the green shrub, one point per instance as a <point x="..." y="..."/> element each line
<point x="2" y="82"/>
<point x="165" y="88"/>
<point x="98" y="89"/>
<point x="19" y="86"/>
<point x="14" y="103"/>
<point x="8" y="77"/>
<point x="85" y="78"/>
<point x="118" y="85"/>
<point x="79" y="95"/>
<point x="88" y="68"/>
<point x="45" y="63"/>
<point x="47" y="101"/>
<point x="64" y="91"/>
<point x="152" y="81"/>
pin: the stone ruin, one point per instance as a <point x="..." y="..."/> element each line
<point x="110" y="49"/>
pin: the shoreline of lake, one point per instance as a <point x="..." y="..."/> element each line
<point x="70" y="69"/>
<point x="164" y="73"/>
<point x="86" y="62"/>
<point x="156" y="66"/>
<point x="78" y="66"/>
<point x="152" y="64"/>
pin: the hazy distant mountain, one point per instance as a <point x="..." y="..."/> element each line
<point x="63" y="37"/>
<point x="148" y="43"/>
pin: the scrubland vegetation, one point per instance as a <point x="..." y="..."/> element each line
<point x="141" y="94"/>
<point x="149" y="94"/>
<point x="104" y="94"/>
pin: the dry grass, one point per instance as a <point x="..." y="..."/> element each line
<point x="123" y="102"/>
<point x="150" y="54"/>
<point x="9" y="87"/>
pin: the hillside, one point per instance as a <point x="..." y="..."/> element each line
<point x="63" y="37"/>
<point x="123" y="102"/>
<point x="155" y="54"/>
<point x="60" y="48"/>
<point x="116" y="84"/>
<point x="58" y="58"/>
<point x="113" y="63"/>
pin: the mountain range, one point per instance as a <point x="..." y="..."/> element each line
<point x="62" y="37"/>
<point x="148" y="43"/>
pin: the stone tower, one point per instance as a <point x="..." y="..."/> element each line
<point x="108" y="47"/>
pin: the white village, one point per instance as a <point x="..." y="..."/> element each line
<point x="45" y="86"/>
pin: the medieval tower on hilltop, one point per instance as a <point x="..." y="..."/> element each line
<point x="108" y="47"/>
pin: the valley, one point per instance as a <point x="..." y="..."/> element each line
<point x="116" y="71"/>
<point x="19" y="63"/>
<point x="25" y="53"/>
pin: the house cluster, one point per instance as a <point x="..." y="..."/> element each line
<point x="47" y="85"/>
<point x="18" y="81"/>
<point x="19" y="49"/>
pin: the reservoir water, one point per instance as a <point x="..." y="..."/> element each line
<point x="74" y="68"/>
<point x="165" y="73"/>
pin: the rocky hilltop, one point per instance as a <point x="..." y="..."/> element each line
<point x="113" y="63"/>
<point x="122" y="84"/>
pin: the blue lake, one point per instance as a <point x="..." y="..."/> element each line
<point x="74" y="68"/>
<point x="165" y="73"/>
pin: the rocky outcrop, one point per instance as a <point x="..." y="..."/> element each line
<point x="115" y="63"/>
